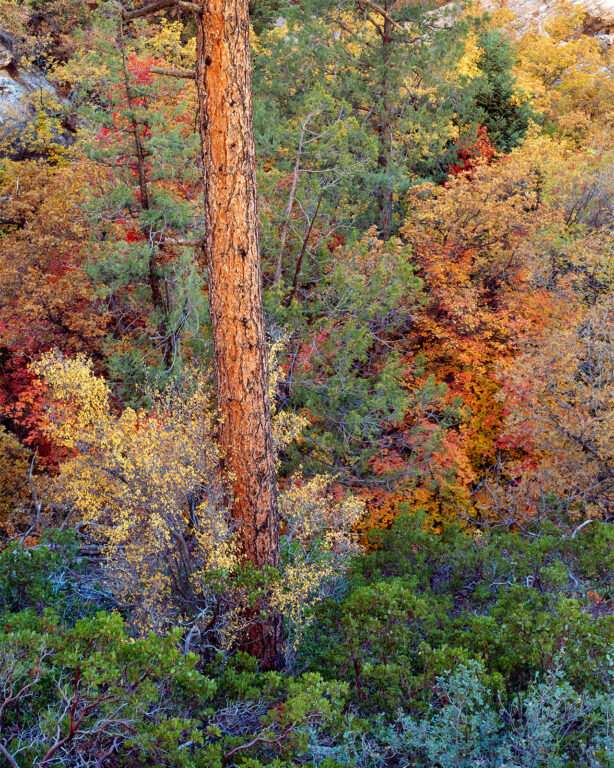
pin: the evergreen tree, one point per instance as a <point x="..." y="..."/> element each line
<point x="232" y="252"/>
<point x="392" y="65"/>
<point x="143" y="204"/>
<point x="494" y="97"/>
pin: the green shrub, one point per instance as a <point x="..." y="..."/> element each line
<point x="424" y="603"/>
<point x="49" y="576"/>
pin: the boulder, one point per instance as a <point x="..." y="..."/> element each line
<point x="6" y="56"/>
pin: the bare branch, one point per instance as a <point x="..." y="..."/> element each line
<point x="10" y="760"/>
<point x="189" y="74"/>
<point x="159" y="5"/>
<point x="190" y="6"/>
<point x="108" y="753"/>
<point x="257" y="740"/>
<point x="290" y="203"/>
<point x="580" y="527"/>
<point x="299" y="262"/>
<point x="381" y="11"/>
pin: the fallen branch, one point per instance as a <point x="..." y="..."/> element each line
<point x="580" y="527"/>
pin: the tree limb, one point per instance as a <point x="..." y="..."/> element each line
<point x="381" y="11"/>
<point x="190" y="6"/>
<point x="10" y="760"/>
<point x="299" y="262"/>
<point x="109" y="752"/>
<point x="257" y="740"/>
<point x="159" y="5"/>
<point x="290" y="203"/>
<point x="189" y="74"/>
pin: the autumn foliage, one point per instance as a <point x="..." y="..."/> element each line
<point x="406" y="558"/>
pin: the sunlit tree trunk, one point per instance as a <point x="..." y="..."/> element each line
<point x="223" y="79"/>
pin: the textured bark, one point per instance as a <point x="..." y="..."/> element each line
<point x="223" y="81"/>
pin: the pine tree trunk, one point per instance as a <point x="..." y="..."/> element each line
<point x="223" y="80"/>
<point x="384" y="133"/>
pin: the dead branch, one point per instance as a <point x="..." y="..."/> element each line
<point x="157" y="5"/>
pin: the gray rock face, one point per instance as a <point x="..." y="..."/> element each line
<point x="14" y="90"/>
<point x="11" y="95"/>
<point x="600" y="13"/>
<point x="17" y="111"/>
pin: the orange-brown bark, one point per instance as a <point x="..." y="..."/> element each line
<point x="223" y="79"/>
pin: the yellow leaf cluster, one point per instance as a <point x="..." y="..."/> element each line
<point x="567" y="73"/>
<point x="468" y="63"/>
<point x="149" y="487"/>
<point x="318" y="541"/>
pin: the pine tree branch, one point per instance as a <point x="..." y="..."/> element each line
<point x="188" y="74"/>
<point x="381" y="11"/>
<point x="159" y="5"/>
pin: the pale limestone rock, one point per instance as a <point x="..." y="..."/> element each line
<point x="16" y="109"/>
<point x="600" y="13"/>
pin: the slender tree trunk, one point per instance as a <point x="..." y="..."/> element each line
<point x="154" y="278"/>
<point x="299" y="263"/>
<point x="384" y="134"/>
<point x="223" y="81"/>
<point x="289" y="204"/>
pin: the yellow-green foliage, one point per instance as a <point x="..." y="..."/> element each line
<point x="14" y="466"/>
<point x="149" y="486"/>
<point x="317" y="539"/>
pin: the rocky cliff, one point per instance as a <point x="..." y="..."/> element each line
<point x="600" y="13"/>
<point x="18" y="88"/>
